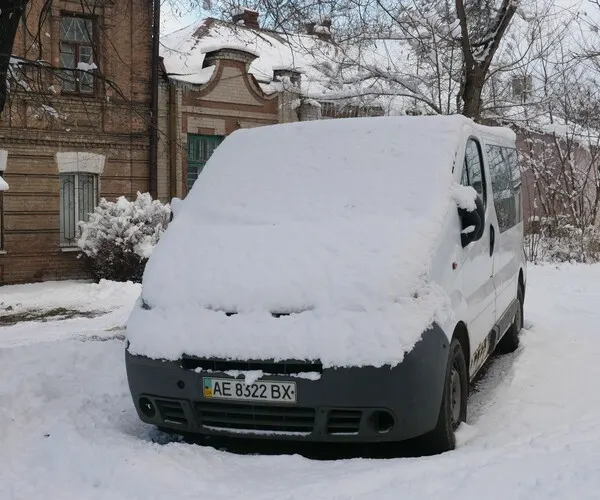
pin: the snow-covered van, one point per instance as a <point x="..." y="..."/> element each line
<point x="334" y="281"/>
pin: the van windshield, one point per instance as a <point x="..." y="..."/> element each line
<point x="304" y="172"/>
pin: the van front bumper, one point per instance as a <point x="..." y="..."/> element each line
<point x="361" y="404"/>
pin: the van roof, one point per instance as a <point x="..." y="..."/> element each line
<point x="307" y="170"/>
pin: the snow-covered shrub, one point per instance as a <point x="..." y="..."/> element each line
<point x="550" y="241"/>
<point x="119" y="237"/>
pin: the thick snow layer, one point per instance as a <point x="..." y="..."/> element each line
<point x="465" y="197"/>
<point x="332" y="221"/>
<point x="68" y="428"/>
<point x="3" y="184"/>
<point x="184" y="52"/>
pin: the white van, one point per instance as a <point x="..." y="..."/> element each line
<point x="333" y="281"/>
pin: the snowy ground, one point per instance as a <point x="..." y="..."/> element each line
<point x="93" y="310"/>
<point x="68" y="428"/>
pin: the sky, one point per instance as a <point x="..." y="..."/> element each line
<point x="171" y="22"/>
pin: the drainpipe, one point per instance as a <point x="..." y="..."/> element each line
<point x="172" y="139"/>
<point x="152" y="180"/>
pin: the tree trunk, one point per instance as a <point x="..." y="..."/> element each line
<point x="11" y="12"/>
<point x="471" y="93"/>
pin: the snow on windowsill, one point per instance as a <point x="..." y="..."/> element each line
<point x="3" y="252"/>
<point x="70" y="249"/>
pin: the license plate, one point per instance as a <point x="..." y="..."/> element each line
<point x="223" y="388"/>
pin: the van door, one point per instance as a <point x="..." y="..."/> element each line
<point x="505" y="180"/>
<point x="477" y="264"/>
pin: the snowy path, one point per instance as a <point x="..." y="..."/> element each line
<point x="68" y="428"/>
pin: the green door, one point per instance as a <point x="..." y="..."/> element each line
<point x="199" y="150"/>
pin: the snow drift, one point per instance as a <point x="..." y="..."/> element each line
<point x="330" y="223"/>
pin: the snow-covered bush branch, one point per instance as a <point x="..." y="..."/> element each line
<point x="119" y="237"/>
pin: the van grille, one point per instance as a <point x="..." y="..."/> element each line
<point x="343" y="421"/>
<point x="171" y="411"/>
<point x="255" y="417"/>
<point x="280" y="368"/>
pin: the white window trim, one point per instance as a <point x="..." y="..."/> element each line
<point x="3" y="160"/>
<point x="72" y="162"/>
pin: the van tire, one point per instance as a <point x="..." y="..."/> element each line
<point x="510" y="341"/>
<point x="453" y="409"/>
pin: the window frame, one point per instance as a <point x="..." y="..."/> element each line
<point x="74" y="212"/>
<point x="477" y="142"/>
<point x="2" y="249"/>
<point x="76" y="55"/>
<point x="505" y="152"/>
<point x="214" y="140"/>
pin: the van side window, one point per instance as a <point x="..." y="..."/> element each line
<point x="472" y="174"/>
<point x="506" y="185"/>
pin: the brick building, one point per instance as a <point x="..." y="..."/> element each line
<point x="69" y="136"/>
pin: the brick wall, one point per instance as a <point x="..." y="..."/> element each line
<point x="113" y="121"/>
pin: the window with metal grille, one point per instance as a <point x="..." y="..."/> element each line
<point x="78" y="198"/>
<point x="200" y="149"/>
<point x="76" y="47"/>
<point x="1" y="215"/>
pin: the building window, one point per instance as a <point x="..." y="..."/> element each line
<point x="76" y="50"/>
<point x="3" y="186"/>
<point x="200" y="149"/>
<point x="78" y="198"/>
<point x="1" y="213"/>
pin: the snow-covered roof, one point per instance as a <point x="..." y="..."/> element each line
<point x="331" y="220"/>
<point x="184" y="52"/>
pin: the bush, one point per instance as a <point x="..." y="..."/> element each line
<point x="119" y="237"/>
<point x="555" y="241"/>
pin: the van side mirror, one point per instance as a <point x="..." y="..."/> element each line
<point x="472" y="222"/>
<point x="175" y="206"/>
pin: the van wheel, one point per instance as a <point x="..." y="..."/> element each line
<point x="510" y="341"/>
<point x="453" y="409"/>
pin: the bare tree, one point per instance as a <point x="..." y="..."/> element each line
<point x="451" y="44"/>
<point x="561" y="161"/>
<point x="11" y="13"/>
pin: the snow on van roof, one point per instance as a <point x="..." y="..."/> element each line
<point x="331" y="221"/>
